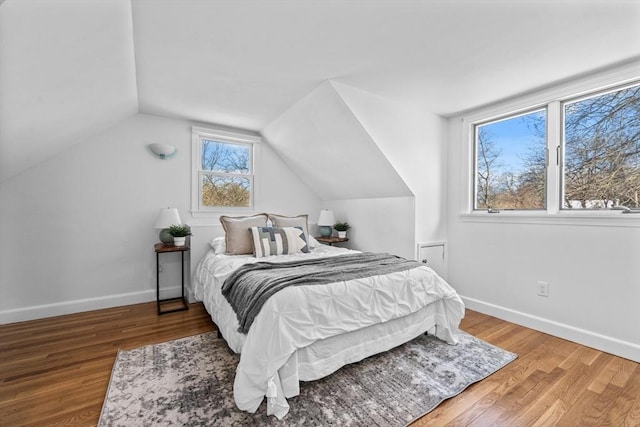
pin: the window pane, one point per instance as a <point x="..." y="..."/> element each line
<point x="511" y="162"/>
<point x="227" y="191"/>
<point x="602" y="151"/>
<point x="225" y="157"/>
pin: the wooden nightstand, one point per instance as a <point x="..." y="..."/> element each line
<point x="331" y="240"/>
<point x="161" y="248"/>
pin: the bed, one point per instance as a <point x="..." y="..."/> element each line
<point x="306" y="332"/>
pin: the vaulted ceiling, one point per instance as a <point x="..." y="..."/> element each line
<point x="70" y="69"/>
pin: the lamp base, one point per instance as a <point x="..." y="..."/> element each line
<point x="325" y="231"/>
<point x="165" y="237"/>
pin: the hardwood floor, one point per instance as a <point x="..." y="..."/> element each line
<point x="56" y="371"/>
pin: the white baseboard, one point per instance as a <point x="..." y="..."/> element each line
<point x="77" y="306"/>
<point x="625" y="349"/>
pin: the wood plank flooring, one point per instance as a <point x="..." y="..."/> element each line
<point x="56" y="371"/>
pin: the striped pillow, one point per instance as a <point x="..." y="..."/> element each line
<point x="269" y="241"/>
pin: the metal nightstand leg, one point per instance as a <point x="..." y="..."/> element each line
<point x="181" y="298"/>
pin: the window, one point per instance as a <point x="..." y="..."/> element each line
<point x="601" y="166"/>
<point x="573" y="154"/>
<point x="223" y="170"/>
<point x="511" y="162"/>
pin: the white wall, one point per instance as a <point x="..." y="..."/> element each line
<point x="332" y="151"/>
<point x="379" y="225"/>
<point x="414" y="142"/>
<point x="77" y="229"/>
<point x="374" y="161"/>
<point x="591" y="264"/>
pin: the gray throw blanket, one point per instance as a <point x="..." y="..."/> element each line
<point x="249" y="287"/>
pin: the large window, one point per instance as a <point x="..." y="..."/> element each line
<point x="572" y="154"/>
<point x="601" y="166"/>
<point x="223" y="170"/>
<point x="511" y="162"/>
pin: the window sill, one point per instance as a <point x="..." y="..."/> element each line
<point x="593" y="219"/>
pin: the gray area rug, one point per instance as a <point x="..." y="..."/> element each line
<point x="189" y="382"/>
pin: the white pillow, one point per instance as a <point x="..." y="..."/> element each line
<point x="218" y="245"/>
<point x="312" y="242"/>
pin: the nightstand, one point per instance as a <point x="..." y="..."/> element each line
<point x="161" y="248"/>
<point x="331" y="240"/>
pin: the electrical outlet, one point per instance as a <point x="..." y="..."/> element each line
<point x="543" y="289"/>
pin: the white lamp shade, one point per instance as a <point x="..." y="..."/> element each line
<point x="167" y="217"/>
<point x="326" y="218"/>
<point x="164" y="151"/>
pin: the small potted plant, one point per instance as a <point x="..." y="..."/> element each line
<point x="341" y="228"/>
<point x="180" y="233"/>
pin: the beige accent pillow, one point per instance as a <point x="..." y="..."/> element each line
<point x="237" y="237"/>
<point x="292" y="221"/>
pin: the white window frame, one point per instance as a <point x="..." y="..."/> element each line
<point x="552" y="99"/>
<point x="224" y="136"/>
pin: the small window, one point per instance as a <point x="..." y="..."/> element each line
<point x="224" y="171"/>
<point x="510" y="166"/>
<point x="601" y="165"/>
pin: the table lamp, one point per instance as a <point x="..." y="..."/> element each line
<point x="166" y="218"/>
<point x="325" y="222"/>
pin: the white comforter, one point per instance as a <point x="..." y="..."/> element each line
<point x="300" y="316"/>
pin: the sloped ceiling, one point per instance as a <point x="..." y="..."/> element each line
<point x="243" y="63"/>
<point x="72" y="68"/>
<point x="67" y="72"/>
<point x="329" y="150"/>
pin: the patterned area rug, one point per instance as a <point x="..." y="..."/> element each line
<point x="189" y="382"/>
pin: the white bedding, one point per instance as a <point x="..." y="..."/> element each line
<point x="304" y="333"/>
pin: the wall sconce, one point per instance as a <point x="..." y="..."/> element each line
<point x="325" y="222"/>
<point x="163" y="151"/>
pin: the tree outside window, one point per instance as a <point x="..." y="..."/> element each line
<point x="511" y="162"/>
<point x="226" y="174"/>
<point x="601" y="165"/>
<point x="223" y="170"/>
<point x="598" y="158"/>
